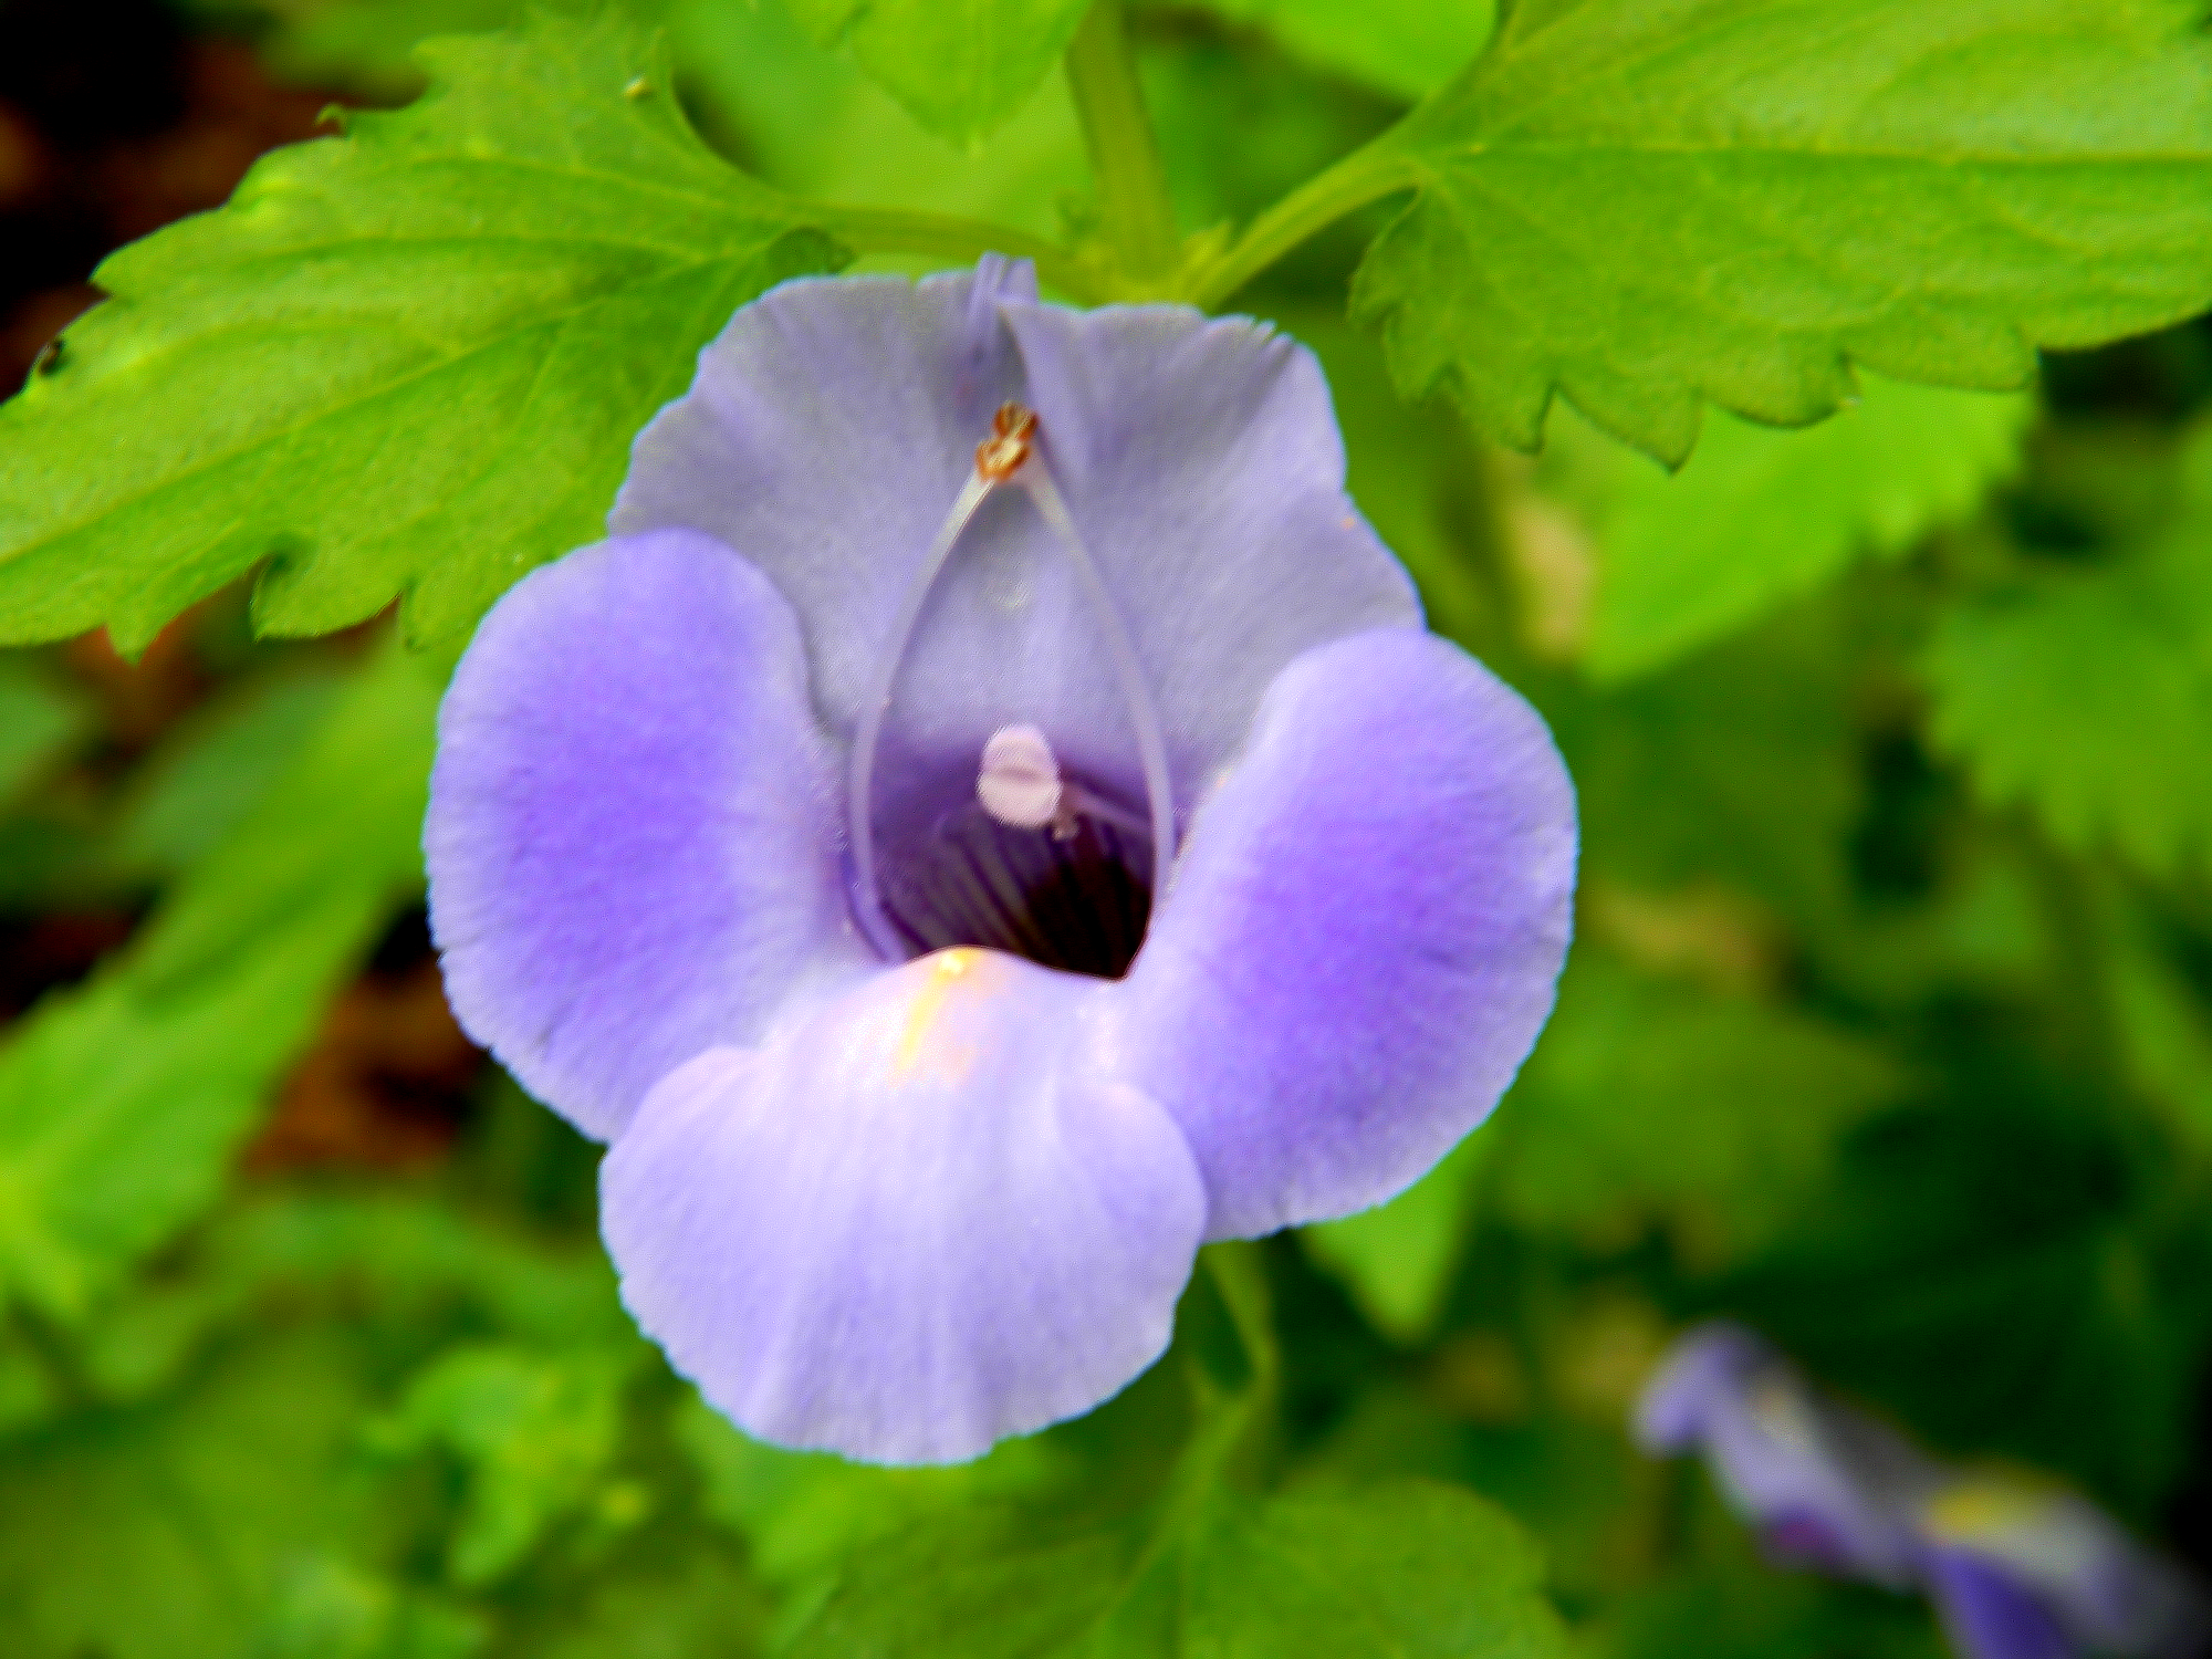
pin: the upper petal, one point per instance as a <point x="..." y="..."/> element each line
<point x="1704" y="1372"/>
<point x="1364" y="936"/>
<point x="834" y="422"/>
<point x="911" y="1224"/>
<point x="829" y="429"/>
<point x="634" y="828"/>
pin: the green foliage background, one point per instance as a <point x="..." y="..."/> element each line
<point x="1888" y="1027"/>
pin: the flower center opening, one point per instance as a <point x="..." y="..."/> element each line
<point x="1038" y="859"/>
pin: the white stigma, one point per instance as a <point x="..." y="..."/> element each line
<point x="1020" y="782"/>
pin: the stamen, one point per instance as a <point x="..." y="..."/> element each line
<point x="1144" y="713"/>
<point x="859" y="785"/>
<point x="1019" y="783"/>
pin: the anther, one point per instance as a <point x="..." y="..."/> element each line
<point x="1000" y="456"/>
<point x="1020" y="782"/>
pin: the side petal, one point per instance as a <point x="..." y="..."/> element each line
<point x="633" y="840"/>
<point x="1364" y="935"/>
<point x="911" y="1224"/>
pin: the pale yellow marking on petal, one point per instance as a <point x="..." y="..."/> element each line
<point x="1984" y="1508"/>
<point x="963" y="970"/>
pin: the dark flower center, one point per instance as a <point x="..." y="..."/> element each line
<point x="1075" y="894"/>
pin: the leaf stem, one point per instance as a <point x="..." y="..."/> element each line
<point x="1368" y="175"/>
<point x="961" y="241"/>
<point x="1124" y="156"/>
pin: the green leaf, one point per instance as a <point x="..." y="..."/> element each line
<point x="1406" y="1570"/>
<point x="1397" y="1258"/>
<point x="960" y="67"/>
<point x="1738" y="767"/>
<point x="329" y="1608"/>
<point x="121" y="1102"/>
<point x="341" y="829"/>
<point x="369" y="45"/>
<point x="424" y="1264"/>
<point x="536" y="1434"/>
<point x="801" y="1511"/>
<point x="118" y="1114"/>
<point x="1644" y="204"/>
<point x="1648" y="1101"/>
<point x="1747" y="1613"/>
<point x="207" y="774"/>
<point x="411" y="359"/>
<point x="38" y="719"/>
<point x="2164" y="1025"/>
<point x="2087" y="692"/>
<point x="169" y="1530"/>
<point x="406" y="1267"/>
<point x="682" y="1603"/>
<point x="1759" y="516"/>
<point x="315" y="1544"/>
<point x="1404" y="48"/>
<point x="30" y="1395"/>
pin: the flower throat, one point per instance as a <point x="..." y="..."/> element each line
<point x="1039" y="861"/>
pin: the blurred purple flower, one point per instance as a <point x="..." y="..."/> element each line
<point x="2017" y="1569"/>
<point x="987" y="821"/>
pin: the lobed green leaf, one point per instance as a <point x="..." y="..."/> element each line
<point x="1648" y="203"/>
<point x="408" y="360"/>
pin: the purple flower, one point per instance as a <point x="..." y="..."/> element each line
<point x="1826" y="1488"/>
<point x="987" y="821"/>
<point x="2017" y="1569"/>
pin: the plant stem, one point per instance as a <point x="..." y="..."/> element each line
<point x="962" y="241"/>
<point x="1125" y="157"/>
<point x="1366" y="175"/>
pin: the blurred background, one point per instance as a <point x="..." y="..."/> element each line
<point x="1887" y="1032"/>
